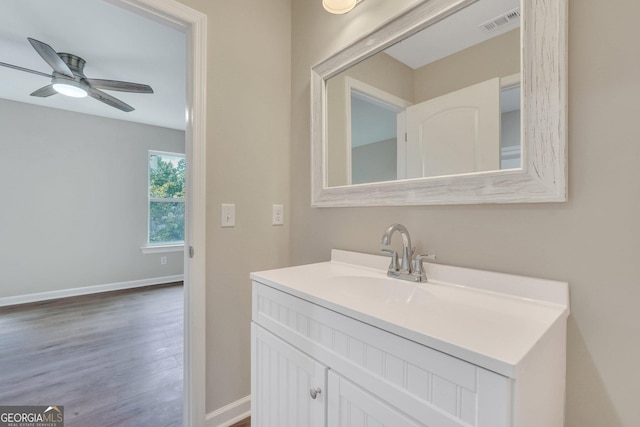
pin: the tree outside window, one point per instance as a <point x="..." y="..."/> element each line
<point x="166" y="198"/>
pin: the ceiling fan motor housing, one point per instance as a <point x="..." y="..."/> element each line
<point x="75" y="63"/>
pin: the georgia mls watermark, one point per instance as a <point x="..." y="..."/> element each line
<point x="31" y="416"/>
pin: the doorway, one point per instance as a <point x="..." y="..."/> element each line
<point x="193" y="24"/>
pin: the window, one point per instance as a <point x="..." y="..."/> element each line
<point x="166" y="198"/>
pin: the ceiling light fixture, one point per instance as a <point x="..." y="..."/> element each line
<point x="68" y="87"/>
<point x="339" y="7"/>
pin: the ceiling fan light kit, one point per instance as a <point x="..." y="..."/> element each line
<point x="68" y="87"/>
<point x="68" y="78"/>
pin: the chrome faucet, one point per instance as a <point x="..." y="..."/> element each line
<point x="407" y="250"/>
<point x="409" y="269"/>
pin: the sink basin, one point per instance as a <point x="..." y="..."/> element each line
<point x="491" y="319"/>
<point x="380" y="290"/>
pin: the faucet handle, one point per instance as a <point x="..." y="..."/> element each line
<point x="417" y="265"/>
<point x="393" y="266"/>
<point x="420" y="257"/>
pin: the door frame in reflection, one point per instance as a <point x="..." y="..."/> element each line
<point x="376" y="97"/>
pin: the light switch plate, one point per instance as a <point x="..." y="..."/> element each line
<point x="228" y="215"/>
<point x="278" y="215"/>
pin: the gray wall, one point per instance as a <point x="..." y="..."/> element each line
<point x="496" y="57"/>
<point x="375" y="162"/>
<point x="74" y="191"/>
<point x="591" y="241"/>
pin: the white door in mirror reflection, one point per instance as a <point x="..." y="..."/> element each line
<point x="455" y="133"/>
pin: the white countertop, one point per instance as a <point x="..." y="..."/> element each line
<point x="490" y="319"/>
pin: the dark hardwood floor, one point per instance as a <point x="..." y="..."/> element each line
<point x="244" y="423"/>
<point x="112" y="359"/>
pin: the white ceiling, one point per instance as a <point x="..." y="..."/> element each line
<point x="453" y="34"/>
<point x="115" y="43"/>
<point x="119" y="45"/>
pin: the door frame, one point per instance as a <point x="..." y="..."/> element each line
<point x="194" y="25"/>
<point x="377" y="96"/>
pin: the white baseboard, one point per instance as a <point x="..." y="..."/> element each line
<point x="230" y="414"/>
<point x="64" y="293"/>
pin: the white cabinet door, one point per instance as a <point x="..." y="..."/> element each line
<point x="455" y="133"/>
<point x="351" y="406"/>
<point x="283" y="380"/>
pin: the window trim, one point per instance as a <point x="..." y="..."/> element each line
<point x="159" y="249"/>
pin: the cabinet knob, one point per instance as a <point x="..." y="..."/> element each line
<point x="314" y="392"/>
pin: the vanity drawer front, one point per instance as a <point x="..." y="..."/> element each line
<point x="430" y="386"/>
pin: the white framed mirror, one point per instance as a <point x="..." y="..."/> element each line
<point x="476" y="115"/>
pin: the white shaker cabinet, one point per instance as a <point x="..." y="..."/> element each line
<point x="323" y="354"/>
<point x="375" y="378"/>
<point x="283" y="378"/>
<point x="291" y="389"/>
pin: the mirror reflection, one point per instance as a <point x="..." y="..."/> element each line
<point x="445" y="101"/>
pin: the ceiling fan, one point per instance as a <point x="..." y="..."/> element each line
<point x="68" y="78"/>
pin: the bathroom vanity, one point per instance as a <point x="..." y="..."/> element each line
<point x="339" y="343"/>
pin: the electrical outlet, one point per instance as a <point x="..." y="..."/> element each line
<point x="228" y="215"/>
<point x="278" y="215"/>
<point x="163" y="260"/>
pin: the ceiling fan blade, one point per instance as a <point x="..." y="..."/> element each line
<point x="15" y="67"/>
<point x="51" y="57"/>
<point x="120" y="86"/>
<point x="109" y="100"/>
<point x="45" y="91"/>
